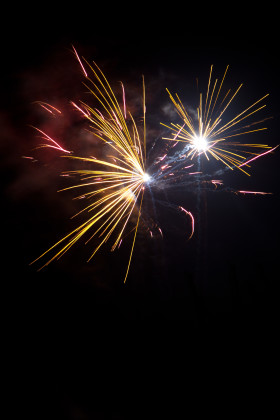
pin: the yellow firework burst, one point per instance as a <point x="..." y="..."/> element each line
<point x="117" y="183"/>
<point x="208" y="134"/>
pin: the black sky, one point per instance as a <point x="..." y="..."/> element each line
<point x="224" y="280"/>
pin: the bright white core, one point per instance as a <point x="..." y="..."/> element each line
<point x="146" y="177"/>
<point x="200" y="143"/>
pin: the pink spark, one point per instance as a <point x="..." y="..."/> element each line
<point x="79" y="109"/>
<point x="117" y="121"/>
<point x="85" y="73"/>
<point x="194" y="173"/>
<point x="160" y="231"/>
<point x="253" y="192"/>
<point x="162" y="157"/>
<point x="124" y="105"/>
<point x="192" y="219"/>
<point x="217" y="182"/>
<point x="186" y="167"/>
<point x="175" y="137"/>
<point x="43" y="106"/>
<point x="101" y="115"/>
<point x="165" y="167"/>
<point x="56" y="145"/>
<point x="46" y="107"/>
<point x="256" y="157"/>
<point x="28" y="157"/>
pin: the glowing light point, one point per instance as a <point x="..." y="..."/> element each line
<point x="200" y="143"/>
<point x="146" y="177"/>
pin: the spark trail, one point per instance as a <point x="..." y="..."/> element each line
<point x="115" y="186"/>
<point x="210" y="135"/>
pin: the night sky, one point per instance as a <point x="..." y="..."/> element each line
<point x="74" y="325"/>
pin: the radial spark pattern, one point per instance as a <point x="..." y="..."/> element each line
<point x="210" y="135"/>
<point x="116" y="184"/>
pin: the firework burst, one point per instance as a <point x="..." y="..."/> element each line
<point x="116" y="184"/>
<point x="114" y="187"/>
<point x="209" y="135"/>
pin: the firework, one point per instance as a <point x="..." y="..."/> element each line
<point x="209" y="135"/>
<point x="116" y="184"/>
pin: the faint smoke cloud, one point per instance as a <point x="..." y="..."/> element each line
<point x="169" y="111"/>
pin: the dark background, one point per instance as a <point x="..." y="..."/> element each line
<point x="84" y="345"/>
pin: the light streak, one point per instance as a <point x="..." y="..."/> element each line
<point x="192" y="219"/>
<point x="124" y="102"/>
<point x="28" y="157"/>
<point x="115" y="185"/>
<point x="210" y="135"/>
<point x="116" y="189"/>
<point x="216" y="182"/>
<point x="81" y="64"/>
<point x="253" y="192"/>
<point x="47" y="107"/>
<point x="54" y="144"/>
<point x="258" y="156"/>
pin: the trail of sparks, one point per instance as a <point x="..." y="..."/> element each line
<point x="81" y="64"/>
<point x="116" y="183"/>
<point x="48" y="107"/>
<point x="192" y="219"/>
<point x="258" y="156"/>
<point x="253" y="192"/>
<point x="115" y="186"/>
<point x="52" y="143"/>
<point x="211" y="136"/>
